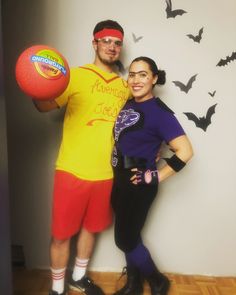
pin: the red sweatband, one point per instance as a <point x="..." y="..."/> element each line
<point x="108" y="33"/>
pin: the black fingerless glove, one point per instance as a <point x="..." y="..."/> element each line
<point x="147" y="176"/>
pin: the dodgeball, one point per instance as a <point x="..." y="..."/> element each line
<point x="42" y="72"/>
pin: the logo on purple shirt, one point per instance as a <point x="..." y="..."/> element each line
<point x="125" y="119"/>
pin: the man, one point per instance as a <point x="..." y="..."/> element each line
<point x="83" y="176"/>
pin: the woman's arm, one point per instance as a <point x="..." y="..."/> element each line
<point x="182" y="148"/>
<point x="183" y="152"/>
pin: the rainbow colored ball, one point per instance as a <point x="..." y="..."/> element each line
<point x="42" y="72"/>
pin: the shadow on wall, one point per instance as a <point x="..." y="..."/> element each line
<point x="5" y="257"/>
<point x="33" y="138"/>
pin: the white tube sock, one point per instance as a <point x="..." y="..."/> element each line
<point x="79" y="268"/>
<point x="58" y="279"/>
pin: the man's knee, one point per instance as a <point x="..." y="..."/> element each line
<point x="58" y="243"/>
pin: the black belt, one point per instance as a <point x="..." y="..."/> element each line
<point x="132" y="162"/>
<point x="125" y="162"/>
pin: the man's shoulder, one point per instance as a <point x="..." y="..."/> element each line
<point x="78" y="72"/>
<point x="79" y="68"/>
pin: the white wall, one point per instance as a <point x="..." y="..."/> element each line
<point x="192" y="224"/>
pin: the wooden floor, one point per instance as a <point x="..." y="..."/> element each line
<point x="37" y="282"/>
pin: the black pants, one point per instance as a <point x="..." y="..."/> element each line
<point x="131" y="204"/>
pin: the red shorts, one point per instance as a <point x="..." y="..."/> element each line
<point x="79" y="203"/>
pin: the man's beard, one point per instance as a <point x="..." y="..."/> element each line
<point x="107" y="61"/>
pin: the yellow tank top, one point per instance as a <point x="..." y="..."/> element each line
<point x="94" y="99"/>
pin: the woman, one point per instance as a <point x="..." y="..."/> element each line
<point x="141" y="127"/>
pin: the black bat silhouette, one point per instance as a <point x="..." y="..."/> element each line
<point x="136" y="39"/>
<point x="212" y="94"/>
<point x="172" y="13"/>
<point x="225" y="61"/>
<point x="202" y="122"/>
<point x="121" y="67"/>
<point x="186" y="87"/>
<point x="198" y="37"/>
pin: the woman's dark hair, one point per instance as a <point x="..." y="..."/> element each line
<point x="108" y="24"/>
<point x="153" y="67"/>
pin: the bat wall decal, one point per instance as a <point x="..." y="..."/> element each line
<point x="202" y="122"/>
<point x="186" y="87"/>
<point x="198" y="37"/>
<point x="212" y="94"/>
<point x="136" y="39"/>
<point x="225" y="61"/>
<point x="172" y="13"/>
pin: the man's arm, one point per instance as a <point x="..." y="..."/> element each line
<point x="45" y="106"/>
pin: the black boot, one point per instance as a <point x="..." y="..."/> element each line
<point x="134" y="283"/>
<point x="159" y="283"/>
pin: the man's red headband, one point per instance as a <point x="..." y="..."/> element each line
<point x="108" y="33"/>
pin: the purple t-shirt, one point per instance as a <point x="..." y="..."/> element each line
<point x="141" y="127"/>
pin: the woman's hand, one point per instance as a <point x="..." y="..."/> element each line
<point x="144" y="176"/>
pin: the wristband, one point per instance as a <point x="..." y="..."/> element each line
<point x="175" y="163"/>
